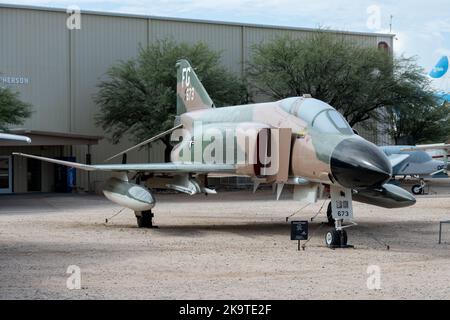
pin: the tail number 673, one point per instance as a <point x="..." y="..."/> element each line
<point x="343" y="213"/>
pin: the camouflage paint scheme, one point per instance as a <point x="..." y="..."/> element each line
<point x="312" y="148"/>
<point x="324" y="148"/>
<point x="318" y="146"/>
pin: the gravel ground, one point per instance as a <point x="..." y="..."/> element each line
<point x="235" y="245"/>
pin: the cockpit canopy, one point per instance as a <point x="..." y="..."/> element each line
<point x="317" y="114"/>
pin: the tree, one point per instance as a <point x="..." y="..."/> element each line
<point x="412" y="124"/>
<point x="424" y="118"/>
<point x="139" y="98"/>
<point x="13" y="111"/>
<point x="361" y="82"/>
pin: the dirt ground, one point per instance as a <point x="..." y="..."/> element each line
<point x="235" y="245"/>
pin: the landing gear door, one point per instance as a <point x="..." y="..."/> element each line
<point x="341" y="203"/>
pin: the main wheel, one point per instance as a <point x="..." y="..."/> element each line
<point x="417" y="189"/>
<point x="330" y="218"/>
<point x="145" y="220"/>
<point x="332" y="238"/>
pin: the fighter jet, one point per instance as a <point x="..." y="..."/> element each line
<point x="14" y="137"/>
<point x="422" y="162"/>
<point x="299" y="142"/>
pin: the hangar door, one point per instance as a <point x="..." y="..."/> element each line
<point x="5" y="175"/>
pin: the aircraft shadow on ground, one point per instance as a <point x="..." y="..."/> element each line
<point x="407" y="236"/>
<point x="244" y="229"/>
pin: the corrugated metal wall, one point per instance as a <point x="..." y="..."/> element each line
<point x="223" y="38"/>
<point x="34" y="44"/>
<point x="64" y="67"/>
<point x="102" y="42"/>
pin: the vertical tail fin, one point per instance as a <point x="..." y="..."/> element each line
<point x="191" y="95"/>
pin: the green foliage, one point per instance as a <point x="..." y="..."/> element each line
<point x="139" y="96"/>
<point x="361" y="82"/>
<point x="418" y="115"/>
<point x="13" y="111"/>
<point x="424" y="121"/>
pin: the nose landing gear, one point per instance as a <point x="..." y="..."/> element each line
<point x="337" y="238"/>
<point x="339" y="209"/>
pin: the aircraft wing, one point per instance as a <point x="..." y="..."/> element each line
<point x="170" y="167"/>
<point x="14" y="137"/>
<point x="396" y="159"/>
<point x="439" y="146"/>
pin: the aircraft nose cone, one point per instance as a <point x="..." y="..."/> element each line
<point x="357" y="163"/>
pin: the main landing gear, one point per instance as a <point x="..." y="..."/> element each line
<point x="419" y="188"/>
<point x="145" y="219"/>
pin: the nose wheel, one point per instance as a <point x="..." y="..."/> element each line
<point x="339" y="209"/>
<point x="336" y="239"/>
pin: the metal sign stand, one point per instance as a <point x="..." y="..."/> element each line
<point x="299" y="231"/>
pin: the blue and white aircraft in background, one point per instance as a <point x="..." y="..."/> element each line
<point x="424" y="162"/>
<point x="421" y="162"/>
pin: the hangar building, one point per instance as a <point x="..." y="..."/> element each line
<point x="57" y="70"/>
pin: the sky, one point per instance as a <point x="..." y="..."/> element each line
<point x="422" y="28"/>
